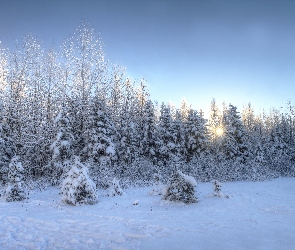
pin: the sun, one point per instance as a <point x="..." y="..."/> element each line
<point x="219" y="131"/>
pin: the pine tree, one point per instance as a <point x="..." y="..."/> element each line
<point x="150" y="133"/>
<point x="184" y="110"/>
<point x="235" y="140"/>
<point x="77" y="187"/>
<point x="77" y="117"/>
<point x="128" y="148"/>
<point x="15" y="190"/>
<point x="166" y="145"/>
<point x="7" y="146"/>
<point x="178" y="135"/>
<point x="196" y="134"/>
<point x="100" y="134"/>
<point x="215" y="129"/>
<point x="62" y="147"/>
<point x="180" y="188"/>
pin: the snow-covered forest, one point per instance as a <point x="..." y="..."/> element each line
<point x="68" y="111"/>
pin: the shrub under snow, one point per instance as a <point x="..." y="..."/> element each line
<point x="15" y="190"/>
<point x="180" y="188"/>
<point x="77" y="187"/>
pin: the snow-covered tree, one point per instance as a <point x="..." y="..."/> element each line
<point x="184" y="110"/>
<point x="62" y="147"/>
<point x="128" y="145"/>
<point x="7" y="146"/>
<point x="115" y="188"/>
<point x="215" y="129"/>
<point x="84" y="62"/>
<point x="3" y="69"/>
<point x="196" y="134"/>
<point x="166" y="144"/>
<point x="157" y="188"/>
<point x="150" y="132"/>
<point x="217" y="188"/>
<point x="77" y="187"/>
<point x="278" y="151"/>
<point x="100" y="134"/>
<point x="77" y="118"/>
<point x="15" y="190"/>
<point x="235" y="142"/>
<point x="178" y="135"/>
<point x="181" y="187"/>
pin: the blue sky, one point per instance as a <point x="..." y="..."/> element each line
<point x="235" y="51"/>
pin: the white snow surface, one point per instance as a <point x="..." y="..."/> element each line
<point x="258" y="215"/>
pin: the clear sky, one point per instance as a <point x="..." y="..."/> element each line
<point x="235" y="51"/>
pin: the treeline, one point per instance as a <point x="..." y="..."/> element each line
<point x="56" y="105"/>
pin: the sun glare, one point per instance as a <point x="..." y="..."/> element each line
<point x="219" y="131"/>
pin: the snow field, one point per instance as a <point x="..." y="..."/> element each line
<point x="258" y="215"/>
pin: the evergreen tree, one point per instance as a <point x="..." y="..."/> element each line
<point x="278" y="149"/>
<point x="166" y="145"/>
<point x="196" y="134"/>
<point x="15" y="190"/>
<point x="178" y="135"/>
<point x="215" y="129"/>
<point x="180" y="188"/>
<point x="77" y="117"/>
<point x="217" y="188"/>
<point x="100" y="134"/>
<point x="7" y="146"/>
<point x="184" y="110"/>
<point x="62" y="147"/>
<point x="77" y="187"/>
<point x="157" y="186"/>
<point x="128" y="143"/>
<point x="235" y="140"/>
<point x="150" y="133"/>
<point x="115" y="188"/>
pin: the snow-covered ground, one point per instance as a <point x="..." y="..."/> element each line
<point x="258" y="215"/>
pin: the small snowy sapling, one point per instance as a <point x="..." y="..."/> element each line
<point x="115" y="188"/>
<point x="157" y="186"/>
<point x="15" y="190"/>
<point x="77" y="187"/>
<point x="217" y="189"/>
<point x="180" y="188"/>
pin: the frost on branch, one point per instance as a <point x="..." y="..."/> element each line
<point x="15" y="190"/>
<point x="180" y="188"/>
<point x="77" y="187"/>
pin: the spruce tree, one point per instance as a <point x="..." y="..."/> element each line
<point x="62" y="147"/>
<point x="100" y="134"/>
<point x="180" y="188"/>
<point x="178" y="135"/>
<point x="150" y="133"/>
<point x="7" y="146"/>
<point x="15" y="190"/>
<point x="196" y="134"/>
<point x="77" y="187"/>
<point x="166" y="145"/>
<point x="128" y="146"/>
<point x="235" y="140"/>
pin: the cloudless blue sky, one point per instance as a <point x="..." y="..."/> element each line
<point x="235" y="51"/>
